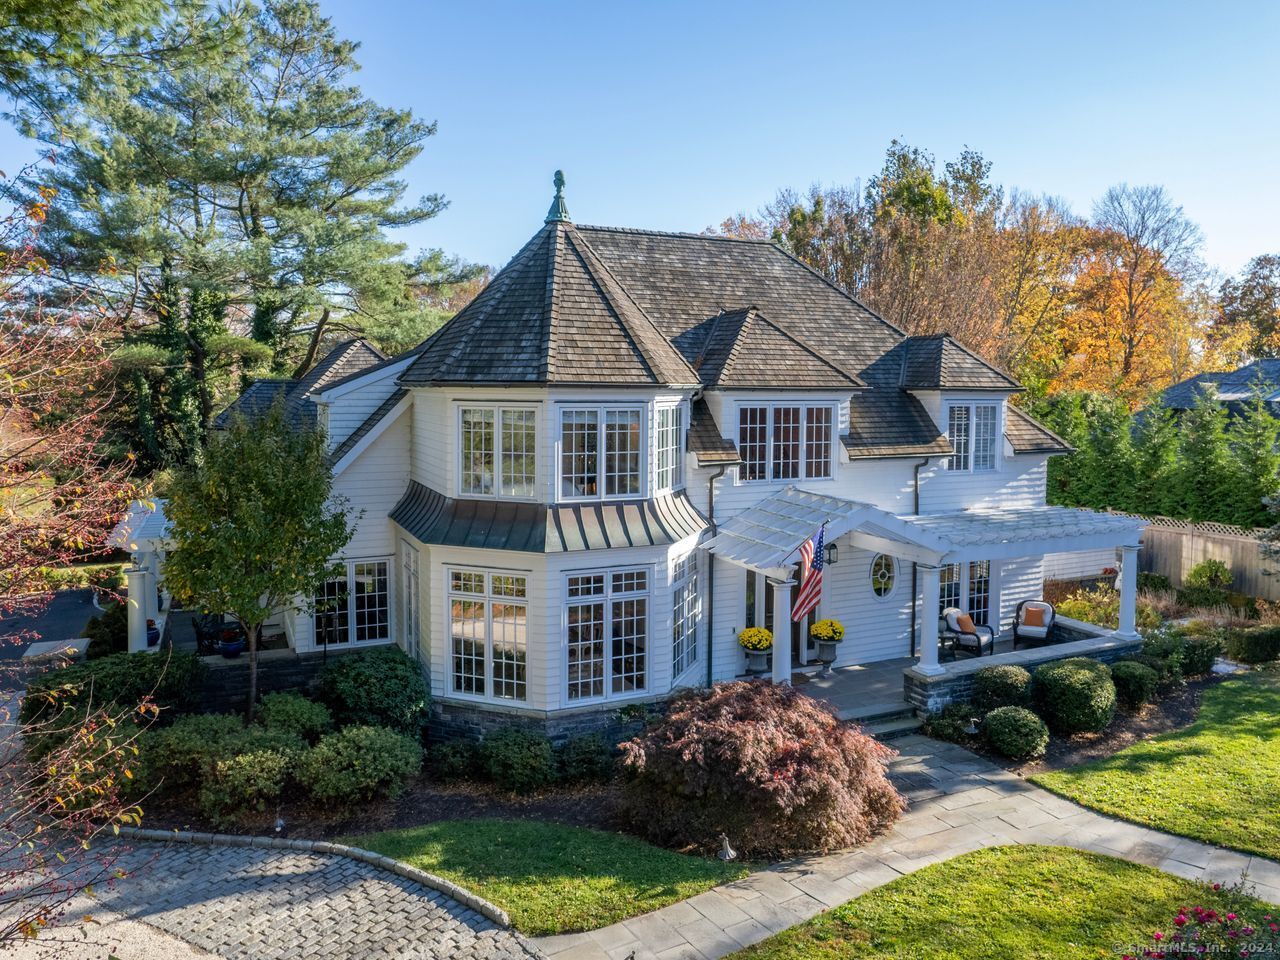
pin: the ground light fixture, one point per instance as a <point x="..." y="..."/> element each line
<point x="727" y="853"/>
<point x="972" y="728"/>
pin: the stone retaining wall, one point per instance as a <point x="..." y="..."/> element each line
<point x="456" y="720"/>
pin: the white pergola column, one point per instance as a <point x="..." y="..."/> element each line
<point x="136" y="578"/>
<point x="782" y="630"/>
<point x="1128" y="593"/>
<point x="150" y="563"/>
<point x="930" y="591"/>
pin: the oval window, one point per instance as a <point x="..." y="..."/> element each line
<point x="883" y="575"/>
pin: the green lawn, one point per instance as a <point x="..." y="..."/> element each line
<point x="552" y="878"/>
<point x="1026" y="902"/>
<point x="1218" y="780"/>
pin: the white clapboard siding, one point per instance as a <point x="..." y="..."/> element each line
<point x="373" y="484"/>
<point x="1077" y="566"/>
<point x="1021" y="579"/>
<point x="349" y="411"/>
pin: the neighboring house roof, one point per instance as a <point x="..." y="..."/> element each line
<point x="1233" y="386"/>
<point x="940" y="362"/>
<point x="433" y="518"/>
<point x="1027" y="435"/>
<point x="346" y="359"/>
<point x="892" y="423"/>
<point x="704" y="439"/>
<point x="744" y="350"/>
<point x="553" y="315"/>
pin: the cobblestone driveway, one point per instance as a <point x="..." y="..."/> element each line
<point x="242" y="902"/>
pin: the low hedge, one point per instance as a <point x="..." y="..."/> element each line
<point x="168" y="677"/>
<point x="1135" y="683"/>
<point x="1254" y="644"/>
<point x="294" y="713"/>
<point x="584" y="759"/>
<point x="380" y="687"/>
<point x="1015" y="732"/>
<point x="1003" y="686"/>
<point x="1075" y="695"/>
<point x="253" y="781"/>
<point x="180" y="759"/>
<point x="453" y="760"/>
<point x="518" y="760"/>
<point x="359" y="764"/>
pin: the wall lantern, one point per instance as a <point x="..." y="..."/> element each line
<point x="833" y="555"/>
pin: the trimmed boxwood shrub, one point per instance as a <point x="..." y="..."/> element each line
<point x="1135" y="683"/>
<point x="252" y="781"/>
<point x="518" y="760"/>
<point x="1003" y="686"/>
<point x="107" y="632"/>
<point x="358" y="764"/>
<point x="1076" y="695"/>
<point x="1155" y="582"/>
<point x="380" y="687"/>
<point x="169" y="677"/>
<point x="585" y="759"/>
<point x="1015" y="732"/>
<point x="294" y="713"/>
<point x="763" y="764"/>
<point x="454" y="760"/>
<point x="179" y="759"/>
<point x="951" y="723"/>
<point x="1254" y="644"/>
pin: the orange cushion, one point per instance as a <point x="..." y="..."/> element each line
<point x="1033" y="617"/>
<point x="965" y="623"/>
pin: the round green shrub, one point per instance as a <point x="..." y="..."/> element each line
<point x="951" y="723"/>
<point x="1076" y="695"/>
<point x="358" y="764"/>
<point x="1213" y="574"/>
<point x="454" y="760"/>
<point x="1003" y="686"/>
<point x="585" y="759"/>
<point x="518" y="760"/>
<point x="1015" y="732"/>
<point x="1254" y="644"/>
<point x="294" y="713"/>
<point x="1135" y="683"/>
<point x="107" y="632"/>
<point x="380" y="687"/>
<point x="251" y="781"/>
<point x="181" y="758"/>
<point x="1154" y="582"/>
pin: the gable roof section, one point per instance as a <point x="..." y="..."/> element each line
<point x="1028" y="435"/>
<point x="939" y="362"/>
<point x="371" y="422"/>
<point x="886" y="422"/>
<point x="743" y="349"/>
<point x="553" y="315"/>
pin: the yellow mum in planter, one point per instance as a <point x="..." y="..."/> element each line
<point x="755" y="638"/>
<point x="827" y="631"/>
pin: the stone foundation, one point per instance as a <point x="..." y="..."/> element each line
<point x="930" y="694"/>
<point x="451" y="720"/>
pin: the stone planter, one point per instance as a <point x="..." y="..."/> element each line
<point x="757" y="662"/>
<point x="827" y="655"/>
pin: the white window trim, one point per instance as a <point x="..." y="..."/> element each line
<point x="804" y="406"/>
<point x="997" y="441"/>
<point x="993" y="591"/>
<point x="606" y="598"/>
<point x="392" y="600"/>
<point x="897" y="578"/>
<point x="487" y="599"/>
<point x="695" y="576"/>
<point x="645" y="411"/>
<point x="679" y="467"/>
<point x="411" y="598"/>
<point x="499" y="491"/>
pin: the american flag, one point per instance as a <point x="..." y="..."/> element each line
<point x="811" y="558"/>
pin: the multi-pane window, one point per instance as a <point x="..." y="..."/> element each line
<point x="607" y="626"/>
<point x="884" y="574"/>
<point x="497" y="451"/>
<point x="980" y="590"/>
<point x="601" y="452"/>
<point x="974" y="432"/>
<point x="488" y="634"/>
<point x="409" y="590"/>
<point x="670" y="448"/>
<point x="971" y="581"/>
<point x="355" y="608"/>
<point x="948" y="587"/>
<point x="785" y="442"/>
<point x="685" y="613"/>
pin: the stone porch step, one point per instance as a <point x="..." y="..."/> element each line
<point x="892" y="729"/>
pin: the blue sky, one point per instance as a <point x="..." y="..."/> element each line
<point x="675" y="115"/>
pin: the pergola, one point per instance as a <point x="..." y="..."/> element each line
<point x="766" y="537"/>
<point x="142" y="532"/>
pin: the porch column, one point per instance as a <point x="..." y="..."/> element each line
<point x="1128" y="593"/>
<point x="151" y="567"/>
<point x="136" y="578"/>
<point x="929" y="599"/>
<point x="782" y="630"/>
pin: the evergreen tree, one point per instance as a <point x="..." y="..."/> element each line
<point x="1206" y="472"/>
<point x="1106" y="459"/>
<point x="1254" y="438"/>
<point x="1155" y="443"/>
<point x="1064" y="414"/>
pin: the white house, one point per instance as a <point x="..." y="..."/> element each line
<point x="579" y="490"/>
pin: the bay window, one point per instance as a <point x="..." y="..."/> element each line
<point x="488" y="634"/>
<point x="785" y="441"/>
<point x="601" y="452"/>
<point x="607" y="633"/>
<point x="974" y="432"/>
<point x="670" y="448"/>
<point x="355" y="607"/>
<point x="498" y="446"/>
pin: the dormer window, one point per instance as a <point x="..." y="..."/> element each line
<point x="498" y="451"/>
<point x="601" y="452"/>
<point x="785" y="441"/>
<point x="974" y="432"/>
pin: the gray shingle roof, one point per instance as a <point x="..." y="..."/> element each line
<point x="743" y="349"/>
<point x="1027" y="435"/>
<point x="1265" y="374"/>
<point x="554" y="314"/>
<point x="434" y="518"/>
<point x="892" y="423"/>
<point x="940" y="362"/>
<point x="704" y="439"/>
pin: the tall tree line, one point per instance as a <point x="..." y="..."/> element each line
<point x="223" y="169"/>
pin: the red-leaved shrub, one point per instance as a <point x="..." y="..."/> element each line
<point x="770" y="768"/>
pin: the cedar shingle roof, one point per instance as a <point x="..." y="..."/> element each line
<point x="554" y="314"/>
<point x="939" y="362"/>
<point x="892" y="423"/>
<point x="1026" y="435"/>
<point x="743" y="349"/>
<point x="704" y="439"/>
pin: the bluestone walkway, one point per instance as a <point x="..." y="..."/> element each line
<point x="960" y="802"/>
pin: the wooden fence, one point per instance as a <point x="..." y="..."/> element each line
<point x="1172" y="547"/>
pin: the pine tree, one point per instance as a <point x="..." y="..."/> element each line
<point x="1106" y="466"/>
<point x="1206" y="474"/>
<point x="1155" y="442"/>
<point x="1254" y="437"/>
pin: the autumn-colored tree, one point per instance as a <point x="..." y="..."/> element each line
<point x="1250" y="309"/>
